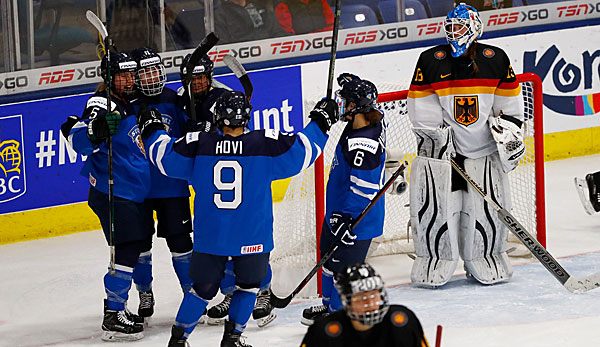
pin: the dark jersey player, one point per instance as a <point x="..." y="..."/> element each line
<point x="367" y="320"/>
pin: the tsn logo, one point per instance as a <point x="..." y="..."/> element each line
<point x="361" y="37"/>
<point x="217" y="56"/>
<point x="430" y="29"/>
<point x="57" y="77"/>
<point x="577" y="10"/>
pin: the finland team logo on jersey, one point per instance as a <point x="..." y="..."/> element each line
<point x="136" y="137"/>
<point x="12" y="158"/>
<point x="168" y="122"/>
<point x="466" y="109"/>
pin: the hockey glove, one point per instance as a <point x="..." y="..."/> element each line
<point x="508" y="134"/>
<point x="199" y="125"/>
<point x="101" y="127"/>
<point x="340" y="228"/>
<point x="346" y="77"/>
<point x="325" y="113"/>
<point x="65" y="128"/>
<point x="149" y="120"/>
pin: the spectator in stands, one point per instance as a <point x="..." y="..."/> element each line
<point x="484" y="5"/>
<point x="304" y="16"/>
<point x="245" y="20"/>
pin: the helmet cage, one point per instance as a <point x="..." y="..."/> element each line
<point x="150" y="80"/>
<point x="462" y="27"/>
<point x="373" y="306"/>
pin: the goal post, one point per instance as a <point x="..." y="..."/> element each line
<point x="299" y="217"/>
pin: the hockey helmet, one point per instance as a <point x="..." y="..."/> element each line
<point x="232" y="109"/>
<point x="204" y="67"/>
<point x="362" y="293"/>
<point x="120" y="62"/>
<point x="462" y="26"/>
<point x="361" y="92"/>
<point x="150" y="78"/>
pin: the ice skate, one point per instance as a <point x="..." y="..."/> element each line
<point x="146" y="307"/>
<point x="217" y="314"/>
<point x="309" y="315"/>
<point x="263" y="310"/>
<point x="177" y="339"/>
<point x="117" y="326"/>
<point x="588" y="194"/>
<point x="232" y="338"/>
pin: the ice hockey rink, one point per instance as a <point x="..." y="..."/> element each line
<point x="51" y="290"/>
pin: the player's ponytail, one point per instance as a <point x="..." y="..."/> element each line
<point x="373" y="116"/>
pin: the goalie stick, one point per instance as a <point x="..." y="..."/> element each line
<point x="236" y="67"/>
<point x="97" y="23"/>
<point x="206" y="45"/>
<point x="283" y="302"/>
<point x="572" y="284"/>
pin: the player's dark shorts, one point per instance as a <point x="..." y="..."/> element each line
<point x="344" y="256"/>
<point x="128" y="217"/>
<point x="173" y="215"/>
<point x="209" y="269"/>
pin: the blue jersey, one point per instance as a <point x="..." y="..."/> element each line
<point x="130" y="167"/>
<point x="357" y="173"/>
<point x="233" y="207"/>
<point x="173" y="117"/>
<point x="203" y="107"/>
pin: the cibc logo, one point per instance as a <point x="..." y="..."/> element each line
<point x="12" y="165"/>
<point x="57" y="76"/>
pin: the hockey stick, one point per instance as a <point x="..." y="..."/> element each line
<point x="336" y="29"/>
<point x="97" y="23"/>
<point x="283" y="302"/>
<point x="572" y="284"/>
<point x="237" y="68"/>
<point x="206" y="45"/>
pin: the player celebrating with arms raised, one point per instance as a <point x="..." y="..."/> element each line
<point x="356" y="175"/>
<point x="465" y="105"/>
<point x="234" y="212"/>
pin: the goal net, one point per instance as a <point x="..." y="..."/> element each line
<point x="299" y="216"/>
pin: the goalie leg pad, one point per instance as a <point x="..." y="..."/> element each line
<point x="482" y="236"/>
<point x="434" y="216"/>
<point x="436" y="143"/>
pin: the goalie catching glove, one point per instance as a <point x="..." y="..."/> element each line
<point x="149" y="120"/>
<point x="340" y="228"/>
<point x="508" y="135"/>
<point x="325" y="113"/>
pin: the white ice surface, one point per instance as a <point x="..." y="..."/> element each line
<point x="51" y="290"/>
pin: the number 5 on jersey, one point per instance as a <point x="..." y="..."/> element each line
<point x="221" y="167"/>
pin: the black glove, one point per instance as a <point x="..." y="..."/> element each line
<point x="325" y="113"/>
<point x="65" y="128"/>
<point x="340" y="228"/>
<point x="101" y="127"/>
<point x="346" y="77"/>
<point x="199" y="125"/>
<point x="149" y="120"/>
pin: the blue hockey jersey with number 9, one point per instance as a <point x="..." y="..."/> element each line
<point x="233" y="206"/>
<point x="357" y="174"/>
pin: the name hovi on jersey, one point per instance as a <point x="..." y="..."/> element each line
<point x="446" y="90"/>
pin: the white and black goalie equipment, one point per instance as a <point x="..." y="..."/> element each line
<point x="232" y="109"/>
<point x="362" y="293"/>
<point x="150" y="78"/>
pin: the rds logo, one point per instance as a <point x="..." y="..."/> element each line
<point x="12" y="167"/>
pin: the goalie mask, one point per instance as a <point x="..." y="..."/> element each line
<point x="462" y="26"/>
<point x="122" y="73"/>
<point x="232" y="109"/>
<point x="362" y="93"/>
<point x="202" y="75"/>
<point x="362" y="293"/>
<point x="150" y="78"/>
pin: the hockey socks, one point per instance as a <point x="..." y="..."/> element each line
<point x="191" y="309"/>
<point x="242" y="305"/>
<point x="181" y="264"/>
<point x="227" y="285"/>
<point x="266" y="282"/>
<point x="326" y="286"/>
<point x="117" y="287"/>
<point x="142" y="273"/>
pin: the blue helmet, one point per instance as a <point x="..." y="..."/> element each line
<point x="232" y="109"/>
<point x="463" y="26"/>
